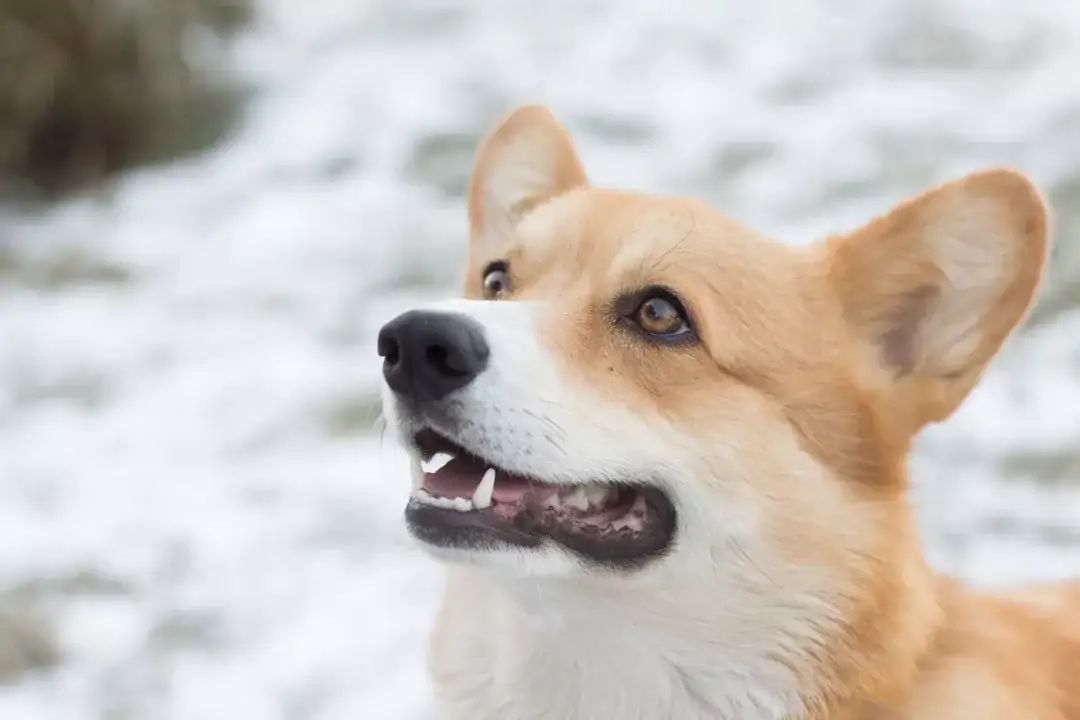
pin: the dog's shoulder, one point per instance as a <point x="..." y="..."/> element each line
<point x="1056" y="609"/>
<point x="1003" y="656"/>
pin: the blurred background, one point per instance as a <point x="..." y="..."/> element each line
<point x="207" y="207"/>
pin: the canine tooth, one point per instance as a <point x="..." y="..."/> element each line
<point x="437" y="462"/>
<point x="416" y="472"/>
<point x="482" y="496"/>
<point x="462" y="504"/>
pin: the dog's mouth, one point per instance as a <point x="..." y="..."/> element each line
<point x="467" y="502"/>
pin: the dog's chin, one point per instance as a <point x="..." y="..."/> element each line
<point x="467" y="509"/>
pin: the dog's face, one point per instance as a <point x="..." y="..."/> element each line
<point x="638" y="384"/>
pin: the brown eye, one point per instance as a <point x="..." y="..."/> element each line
<point x="662" y="318"/>
<point x="496" y="280"/>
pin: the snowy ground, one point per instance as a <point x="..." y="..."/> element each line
<point x="193" y="503"/>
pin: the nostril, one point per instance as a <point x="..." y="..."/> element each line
<point x="428" y="355"/>
<point x="444" y="360"/>
<point x="388" y="349"/>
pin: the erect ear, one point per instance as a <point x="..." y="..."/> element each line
<point x="936" y="286"/>
<point x="525" y="161"/>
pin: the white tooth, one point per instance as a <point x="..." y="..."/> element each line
<point x="597" y="495"/>
<point x="482" y="496"/>
<point x="577" y="500"/>
<point x="423" y="496"/>
<point x="462" y="504"/>
<point x="442" y="502"/>
<point x="437" y="462"/>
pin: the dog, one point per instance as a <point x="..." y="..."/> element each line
<point x="663" y="457"/>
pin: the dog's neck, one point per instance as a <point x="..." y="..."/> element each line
<point x="546" y="648"/>
<point x="651" y="653"/>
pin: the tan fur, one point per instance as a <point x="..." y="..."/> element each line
<point x="817" y="367"/>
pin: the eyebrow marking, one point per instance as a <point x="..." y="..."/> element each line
<point x="675" y="246"/>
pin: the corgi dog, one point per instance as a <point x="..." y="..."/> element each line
<point x="663" y="457"/>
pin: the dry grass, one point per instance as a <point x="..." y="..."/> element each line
<point x="26" y="638"/>
<point x="90" y="87"/>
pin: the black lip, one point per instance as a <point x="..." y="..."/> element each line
<point x="484" y="530"/>
<point x="464" y="531"/>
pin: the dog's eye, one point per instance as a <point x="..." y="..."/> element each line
<point x="496" y="280"/>
<point x="662" y="317"/>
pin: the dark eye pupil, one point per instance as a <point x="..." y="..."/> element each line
<point x="658" y="309"/>
<point x="495" y="281"/>
<point x="662" y="317"/>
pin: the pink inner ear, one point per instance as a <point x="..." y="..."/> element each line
<point x="526" y="160"/>
<point x="899" y="336"/>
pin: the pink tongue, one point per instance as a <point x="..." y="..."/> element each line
<point x="461" y="476"/>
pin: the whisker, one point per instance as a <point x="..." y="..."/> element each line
<point x="546" y="421"/>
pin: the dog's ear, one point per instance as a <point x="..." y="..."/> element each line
<point x="525" y="161"/>
<point x="936" y="285"/>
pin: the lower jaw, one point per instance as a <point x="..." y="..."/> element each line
<point x="509" y="528"/>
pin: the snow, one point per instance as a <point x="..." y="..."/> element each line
<point x="196" y="434"/>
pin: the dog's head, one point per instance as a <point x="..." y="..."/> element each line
<point x="635" y="382"/>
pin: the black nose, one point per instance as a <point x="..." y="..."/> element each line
<point x="428" y="355"/>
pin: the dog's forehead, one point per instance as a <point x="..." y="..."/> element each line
<point x="625" y="237"/>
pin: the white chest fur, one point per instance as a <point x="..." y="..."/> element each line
<point x="535" y="651"/>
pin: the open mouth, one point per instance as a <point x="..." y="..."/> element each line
<point x="467" y="502"/>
